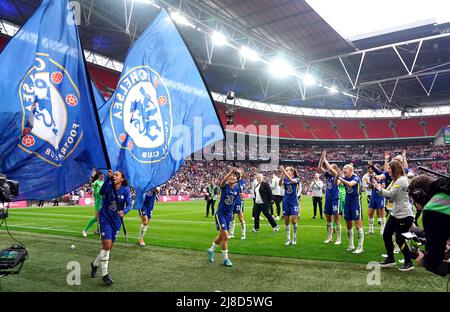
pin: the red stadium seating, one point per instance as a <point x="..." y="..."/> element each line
<point x="378" y="128"/>
<point x="322" y="128"/>
<point x="349" y="129"/>
<point x="435" y="124"/>
<point x="407" y="128"/>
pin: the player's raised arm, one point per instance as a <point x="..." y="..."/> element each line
<point x="107" y="184"/>
<point x="405" y="162"/>
<point x="320" y="166"/>
<point x="387" y="155"/>
<point x="329" y="167"/>
<point x="283" y="173"/>
<point x="225" y="179"/>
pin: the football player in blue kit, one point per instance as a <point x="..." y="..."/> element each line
<point x="352" y="207"/>
<point x="110" y="218"/>
<point x="146" y="213"/>
<point x="331" y="199"/>
<point x="290" y="179"/>
<point x="224" y="214"/>
<point x="376" y="203"/>
<point x="239" y="207"/>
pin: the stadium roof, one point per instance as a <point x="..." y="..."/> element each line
<point x="405" y="70"/>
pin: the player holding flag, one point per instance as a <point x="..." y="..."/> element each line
<point x="110" y="218"/>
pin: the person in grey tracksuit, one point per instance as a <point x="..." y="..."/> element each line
<point x="401" y="217"/>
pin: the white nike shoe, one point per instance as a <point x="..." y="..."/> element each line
<point x="358" y="250"/>
<point x="338" y="242"/>
<point x="351" y="248"/>
<point x="294" y="242"/>
<point x="84" y="233"/>
<point x="277" y="218"/>
<point x="288" y="242"/>
<point x="328" y="241"/>
<point x="243" y="237"/>
<point x="231" y="236"/>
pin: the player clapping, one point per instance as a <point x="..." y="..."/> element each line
<point x="331" y="199"/>
<point x="290" y="180"/>
<point x="352" y="207"/>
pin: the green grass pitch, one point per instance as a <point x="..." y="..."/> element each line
<point x="175" y="257"/>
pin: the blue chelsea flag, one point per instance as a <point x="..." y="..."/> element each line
<point x="161" y="111"/>
<point x="49" y="139"/>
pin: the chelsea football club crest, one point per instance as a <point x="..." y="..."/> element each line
<point x="141" y="116"/>
<point x="49" y="99"/>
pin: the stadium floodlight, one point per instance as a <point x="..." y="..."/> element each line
<point x="219" y="39"/>
<point x="333" y="90"/>
<point x="249" y="54"/>
<point x="280" y="68"/>
<point x="180" y="19"/>
<point x="309" y="79"/>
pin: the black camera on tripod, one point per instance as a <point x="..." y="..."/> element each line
<point x="8" y="189"/>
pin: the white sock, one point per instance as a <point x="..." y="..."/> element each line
<point x="330" y="230"/>
<point x="142" y="231"/>
<point x="371" y="224"/>
<point x="213" y="247"/>
<point x="225" y="254"/>
<point x="382" y="223"/>
<point x="295" y="227"/>
<point x="350" y="237"/>
<point x="97" y="260"/>
<point x="338" y="232"/>
<point x="243" y="228"/>
<point x="360" y="238"/>
<point x="104" y="259"/>
<point x="288" y="232"/>
<point x="233" y="224"/>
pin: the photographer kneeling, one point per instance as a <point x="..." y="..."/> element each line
<point x="433" y="196"/>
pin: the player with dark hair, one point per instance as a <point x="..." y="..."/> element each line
<point x="224" y="214"/>
<point x="146" y="213"/>
<point x="110" y="218"/>
<point x="239" y="207"/>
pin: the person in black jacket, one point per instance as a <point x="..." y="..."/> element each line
<point x="263" y="199"/>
